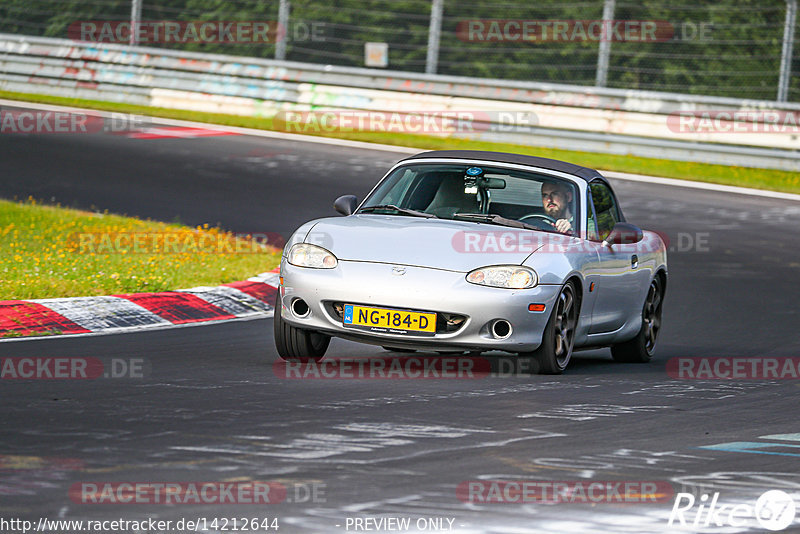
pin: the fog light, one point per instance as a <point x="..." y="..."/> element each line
<point x="501" y="329"/>
<point x="299" y="308"/>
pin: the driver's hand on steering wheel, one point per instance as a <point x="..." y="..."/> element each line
<point x="563" y="226"/>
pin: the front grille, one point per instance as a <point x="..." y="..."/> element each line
<point x="446" y="323"/>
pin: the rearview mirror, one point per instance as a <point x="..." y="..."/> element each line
<point x="623" y="234"/>
<point x="492" y="183"/>
<point x="345" y="204"/>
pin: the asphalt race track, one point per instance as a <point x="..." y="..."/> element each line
<point x="211" y="406"/>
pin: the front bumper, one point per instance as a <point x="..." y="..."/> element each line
<point x="419" y="289"/>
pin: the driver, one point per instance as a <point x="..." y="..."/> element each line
<point x="556" y="199"/>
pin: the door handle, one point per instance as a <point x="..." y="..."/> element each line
<point x="634" y="261"/>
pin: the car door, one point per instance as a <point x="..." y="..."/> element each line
<point x="617" y="279"/>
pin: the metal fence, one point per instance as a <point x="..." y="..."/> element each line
<point x="733" y="48"/>
<point x="310" y="98"/>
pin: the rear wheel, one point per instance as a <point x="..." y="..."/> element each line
<point x="296" y="344"/>
<point x="558" y="339"/>
<point x="640" y="349"/>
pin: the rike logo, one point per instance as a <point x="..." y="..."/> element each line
<point x="774" y="510"/>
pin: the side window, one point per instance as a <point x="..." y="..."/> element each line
<point x="605" y="209"/>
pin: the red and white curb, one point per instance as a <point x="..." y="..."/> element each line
<point x="176" y="132"/>
<point x="117" y="313"/>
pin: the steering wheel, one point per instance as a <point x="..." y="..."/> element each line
<point x="539" y="218"/>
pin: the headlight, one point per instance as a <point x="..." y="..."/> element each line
<point x="305" y="255"/>
<point x="507" y="276"/>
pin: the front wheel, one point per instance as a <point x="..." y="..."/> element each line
<point x="558" y="339"/>
<point x="640" y="349"/>
<point x="296" y="344"/>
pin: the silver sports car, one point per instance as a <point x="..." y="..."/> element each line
<point x="476" y="251"/>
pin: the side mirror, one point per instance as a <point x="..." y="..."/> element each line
<point x="623" y="234"/>
<point x="346" y="204"/>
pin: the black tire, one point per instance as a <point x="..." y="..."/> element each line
<point x="640" y="349"/>
<point x="558" y="338"/>
<point x="296" y="344"/>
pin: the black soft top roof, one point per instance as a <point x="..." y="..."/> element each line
<point x="519" y="159"/>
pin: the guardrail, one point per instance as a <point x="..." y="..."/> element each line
<point x="559" y="116"/>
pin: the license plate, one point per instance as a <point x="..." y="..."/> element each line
<point x="389" y="321"/>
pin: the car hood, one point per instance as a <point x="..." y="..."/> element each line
<point x="435" y="243"/>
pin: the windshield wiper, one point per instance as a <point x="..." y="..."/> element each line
<point x="404" y="211"/>
<point x="496" y="219"/>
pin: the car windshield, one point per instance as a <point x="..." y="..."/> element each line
<point x="480" y="193"/>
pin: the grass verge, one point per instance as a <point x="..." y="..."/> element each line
<point x="49" y="251"/>
<point x="768" y="179"/>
